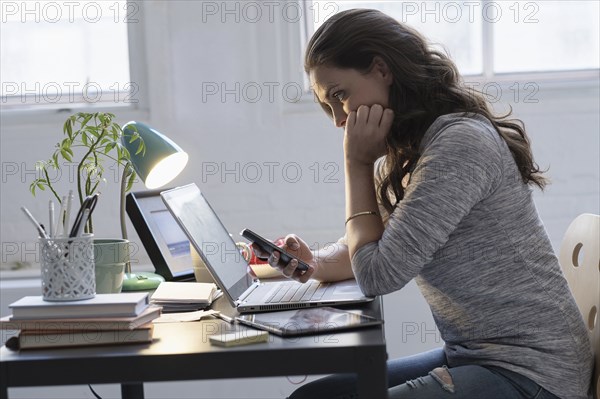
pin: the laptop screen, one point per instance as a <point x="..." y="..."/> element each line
<point x="210" y="238"/>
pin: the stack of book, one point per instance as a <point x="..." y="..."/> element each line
<point x="106" y="319"/>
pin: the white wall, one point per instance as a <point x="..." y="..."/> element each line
<point x="185" y="55"/>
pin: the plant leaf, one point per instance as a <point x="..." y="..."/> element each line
<point x="65" y="154"/>
<point x="64" y="144"/>
<point x="109" y="147"/>
<point x="92" y="130"/>
<point x="86" y="119"/>
<point x="70" y="129"/>
<point x="125" y="152"/>
<point x="119" y="151"/>
<point x="130" y="181"/>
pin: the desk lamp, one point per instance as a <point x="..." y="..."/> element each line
<point x="162" y="161"/>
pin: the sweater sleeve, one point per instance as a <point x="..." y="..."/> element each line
<point x="460" y="165"/>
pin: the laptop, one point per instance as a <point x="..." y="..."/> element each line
<point x="230" y="270"/>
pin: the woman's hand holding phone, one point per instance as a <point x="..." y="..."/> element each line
<point x="296" y="247"/>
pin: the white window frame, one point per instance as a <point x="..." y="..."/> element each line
<point x="137" y="109"/>
<point x="552" y="80"/>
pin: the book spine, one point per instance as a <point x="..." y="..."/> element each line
<point x="31" y="340"/>
<point x="41" y="327"/>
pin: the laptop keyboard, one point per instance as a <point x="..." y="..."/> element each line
<point x="298" y="292"/>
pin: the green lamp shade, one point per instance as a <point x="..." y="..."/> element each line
<point x="163" y="159"/>
<point x="157" y="166"/>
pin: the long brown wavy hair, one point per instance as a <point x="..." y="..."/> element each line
<point x="426" y="84"/>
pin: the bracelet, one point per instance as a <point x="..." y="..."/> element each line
<point x="361" y="214"/>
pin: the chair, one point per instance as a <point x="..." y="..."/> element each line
<point x="580" y="261"/>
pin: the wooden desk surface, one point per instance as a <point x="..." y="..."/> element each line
<point x="181" y="351"/>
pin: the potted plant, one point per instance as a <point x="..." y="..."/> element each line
<point x="91" y="139"/>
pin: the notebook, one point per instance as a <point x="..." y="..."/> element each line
<point x="230" y="270"/>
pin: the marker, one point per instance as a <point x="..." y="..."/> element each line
<point x="35" y="222"/>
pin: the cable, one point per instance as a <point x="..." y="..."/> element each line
<point x="94" y="392"/>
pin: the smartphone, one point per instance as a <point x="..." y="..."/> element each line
<point x="269" y="247"/>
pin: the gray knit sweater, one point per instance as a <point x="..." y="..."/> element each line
<point x="467" y="230"/>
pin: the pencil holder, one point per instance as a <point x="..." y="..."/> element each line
<point x="68" y="268"/>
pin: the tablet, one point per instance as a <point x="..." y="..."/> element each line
<point x="165" y="242"/>
<point x="308" y="321"/>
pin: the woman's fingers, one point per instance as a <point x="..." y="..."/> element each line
<point x="291" y="244"/>
<point x="259" y="252"/>
<point x="291" y="269"/>
<point x="274" y="260"/>
<point x="375" y="114"/>
<point x="351" y="120"/>
<point x="304" y="276"/>
<point x="387" y="119"/>
<point x="362" y="115"/>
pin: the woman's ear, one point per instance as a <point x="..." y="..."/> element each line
<point x="381" y="68"/>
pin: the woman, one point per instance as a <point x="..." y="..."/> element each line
<point x="448" y="203"/>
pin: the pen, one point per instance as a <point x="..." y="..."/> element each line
<point x="61" y="217"/>
<point x="68" y="212"/>
<point x="51" y="218"/>
<point x="221" y="316"/>
<point x="35" y="222"/>
<point x="81" y="219"/>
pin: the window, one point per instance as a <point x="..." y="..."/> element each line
<point x="547" y="36"/>
<point x="61" y="54"/>
<point x="488" y="38"/>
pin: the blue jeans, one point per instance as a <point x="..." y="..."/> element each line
<point x="425" y="376"/>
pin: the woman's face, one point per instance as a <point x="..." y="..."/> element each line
<point x="341" y="91"/>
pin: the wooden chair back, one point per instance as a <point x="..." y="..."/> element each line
<point x="580" y="261"/>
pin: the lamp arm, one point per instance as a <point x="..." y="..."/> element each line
<point x="126" y="173"/>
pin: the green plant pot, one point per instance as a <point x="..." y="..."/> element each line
<point x="110" y="258"/>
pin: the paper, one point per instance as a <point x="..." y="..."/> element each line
<point x="183" y="317"/>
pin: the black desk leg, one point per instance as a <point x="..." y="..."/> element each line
<point x="372" y="377"/>
<point x="132" y="391"/>
<point x="4" y="393"/>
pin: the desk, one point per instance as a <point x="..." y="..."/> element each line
<point x="185" y="348"/>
